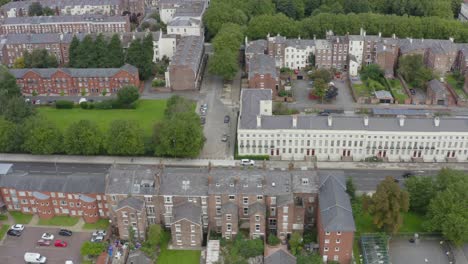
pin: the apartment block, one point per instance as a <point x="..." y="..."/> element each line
<point x="263" y="73"/>
<point x="187" y="227"/>
<point x="50" y="194"/>
<point x="335" y="224"/>
<point x="71" y="81"/>
<point x="130" y="214"/>
<point x="185" y="71"/>
<point x="65" y="24"/>
<point x="170" y="9"/>
<point x="335" y="138"/>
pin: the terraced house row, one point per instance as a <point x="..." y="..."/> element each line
<point x="194" y="201"/>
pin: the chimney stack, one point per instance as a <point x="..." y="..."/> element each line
<point x="330" y="121"/>
<point x="366" y="121"/>
<point x="294" y="121"/>
<point x="259" y="121"/>
<point x="393" y="36"/>
<point x="436" y="121"/>
<point x="401" y="119"/>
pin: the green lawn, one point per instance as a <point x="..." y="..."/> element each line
<point x="412" y="222"/>
<point x="397" y="90"/>
<point x="59" y="221"/>
<point x="167" y="256"/>
<point x="100" y="224"/>
<point x="361" y="90"/>
<point x="3" y="231"/>
<point x="458" y="88"/>
<point x="21" y="218"/>
<point x="147" y="113"/>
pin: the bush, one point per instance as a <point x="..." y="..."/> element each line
<point x="64" y="104"/>
<point x="273" y="240"/>
<point x="158" y="83"/>
<point x="253" y="157"/>
<point x="104" y="105"/>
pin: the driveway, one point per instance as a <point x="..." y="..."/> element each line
<point x="12" y="249"/>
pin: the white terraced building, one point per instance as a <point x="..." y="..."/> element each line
<point x="348" y="138"/>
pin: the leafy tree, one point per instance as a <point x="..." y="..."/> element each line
<point x="295" y="242"/>
<point x="147" y="45"/>
<point x="42" y="137"/>
<point x="260" y="7"/>
<point x="47" y="11"/>
<point x="35" y="9"/>
<point x="86" y="53"/>
<point x="40" y="58"/>
<point x="125" y="137"/>
<point x="273" y="240"/>
<point x="177" y="104"/>
<point x="83" y="138"/>
<point x="16" y="109"/>
<point x="229" y="37"/>
<point x="421" y="190"/>
<point x="350" y="188"/>
<point x="73" y="52"/>
<point x="8" y="86"/>
<point x="7" y="135"/>
<point x="292" y="8"/>
<point x="312" y="60"/>
<point x="102" y="54"/>
<point x="19" y="63"/>
<point x="387" y="204"/>
<point x="92" y="249"/>
<point x="179" y="136"/>
<point x="309" y="259"/>
<point x="128" y="95"/>
<point x="115" y="52"/>
<point x="224" y="63"/>
<point x="373" y="72"/>
<point x="323" y="74"/>
<point x="136" y="56"/>
<point x="412" y="68"/>
<point x="320" y="88"/>
<point x="221" y="13"/>
<point x="261" y="26"/>
<point x="447" y="212"/>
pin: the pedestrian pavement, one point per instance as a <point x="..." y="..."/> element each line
<point x="339" y="165"/>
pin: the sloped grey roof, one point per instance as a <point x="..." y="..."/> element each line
<point x="300" y="43"/>
<point x="5" y="168"/>
<point x="256" y="47"/>
<point x="58" y="3"/>
<point x="436" y="45"/>
<point x="32" y="38"/>
<point x="191" y="9"/>
<point x="382" y="94"/>
<point x="184" y="22"/>
<point x="257" y="207"/>
<point x="64" y="19"/>
<point x="334" y="205"/>
<point x="74" y="72"/>
<point x="189" y="211"/>
<point x="280" y="256"/>
<point x="250" y="105"/>
<point x="131" y="179"/>
<point x="250" y="108"/>
<point x="437" y="88"/>
<point x="184" y="182"/>
<point x="131" y="202"/>
<point x="262" y="64"/>
<point x="43" y="182"/>
<point x="229" y="208"/>
<point x="189" y="52"/>
<point x="138" y="257"/>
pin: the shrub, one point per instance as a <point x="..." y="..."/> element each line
<point x="64" y="104"/>
<point x="158" y="83"/>
<point x="273" y="240"/>
<point x="104" y="105"/>
<point x="253" y="157"/>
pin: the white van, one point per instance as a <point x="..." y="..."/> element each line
<point x="34" y="258"/>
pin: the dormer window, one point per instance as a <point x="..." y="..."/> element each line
<point x="246" y="185"/>
<point x="305" y="181"/>
<point x="231" y="185"/>
<point x="217" y="184"/>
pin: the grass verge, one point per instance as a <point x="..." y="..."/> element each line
<point x="100" y="224"/>
<point x="3" y="231"/>
<point x="59" y="221"/>
<point x="21" y="218"/>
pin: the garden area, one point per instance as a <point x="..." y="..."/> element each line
<point x="398" y="91"/>
<point x="146" y="113"/>
<point x="456" y="81"/>
<point x="21" y="218"/>
<point x="59" y="221"/>
<point x="372" y="77"/>
<point x="101" y="224"/>
<point x="167" y="256"/>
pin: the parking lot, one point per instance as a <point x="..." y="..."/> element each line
<point x="404" y="252"/>
<point x="12" y="249"/>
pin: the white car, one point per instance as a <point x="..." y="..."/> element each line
<point x="99" y="233"/>
<point x="47" y="236"/>
<point x="17" y="227"/>
<point x="97" y="239"/>
<point x="69" y="262"/>
<point x="35" y="258"/>
<point x="247" y="162"/>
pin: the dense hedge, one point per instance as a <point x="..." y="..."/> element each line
<point x="64" y="104"/>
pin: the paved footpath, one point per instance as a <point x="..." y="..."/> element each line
<point x="227" y="163"/>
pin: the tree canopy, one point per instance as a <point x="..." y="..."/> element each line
<point x="42" y="137"/>
<point x="39" y="58"/>
<point x="7" y="135"/>
<point x="414" y="71"/>
<point x="83" y="138"/>
<point x="125" y="137"/>
<point x="127" y="96"/>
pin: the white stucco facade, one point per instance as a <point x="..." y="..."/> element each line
<point x="164" y="46"/>
<point x="185" y="26"/>
<point x="298" y="58"/>
<point x="167" y="14"/>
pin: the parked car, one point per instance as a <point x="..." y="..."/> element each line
<point x="247" y="162"/>
<point x="226" y="119"/>
<point x="34" y="258"/>
<point x="100" y="233"/>
<point x="97" y="238"/>
<point x="43" y="242"/>
<point x="407" y="174"/>
<point x="65" y="232"/>
<point x="47" y="236"/>
<point x="204" y="106"/>
<point x="15" y="233"/>
<point x="60" y="243"/>
<point x="37" y="102"/>
<point x="69" y="262"/>
<point x="202" y="120"/>
<point x="17" y="227"/>
<point x="412" y="91"/>
<point x="224" y="138"/>
<point x="202" y="112"/>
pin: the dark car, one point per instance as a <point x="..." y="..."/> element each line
<point x="65" y="232"/>
<point x="202" y="120"/>
<point x="226" y="119"/>
<point x="15" y="233"/>
<point x="412" y="91"/>
<point x="407" y="175"/>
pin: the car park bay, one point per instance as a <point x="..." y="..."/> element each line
<point x="12" y="249"/>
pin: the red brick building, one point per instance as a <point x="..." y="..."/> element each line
<point x="335" y="222"/>
<point x="131" y="213"/>
<point x="65" y="24"/>
<point x="70" y="81"/>
<point x="187" y="227"/>
<point x="262" y="73"/>
<point x="49" y="195"/>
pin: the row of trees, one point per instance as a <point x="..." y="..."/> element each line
<point x="105" y="53"/>
<point x="38" y="58"/>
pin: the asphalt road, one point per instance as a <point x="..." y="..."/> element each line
<point x="365" y="180"/>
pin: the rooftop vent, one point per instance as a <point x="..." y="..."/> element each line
<point x="366" y="121"/>
<point x="330" y="121"/>
<point x="436" y="121"/>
